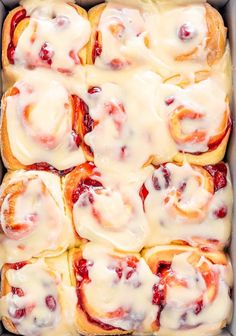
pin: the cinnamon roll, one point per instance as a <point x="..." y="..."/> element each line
<point x="32" y="218"/>
<point x="37" y="297"/>
<point x="40" y="124"/>
<point x="102" y="212"/>
<point x="192" y="291"/>
<point x="189" y="204"/>
<point x="30" y="36"/>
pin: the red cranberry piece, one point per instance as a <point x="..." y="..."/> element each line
<point x="93" y="183"/>
<point x="162" y="267"/>
<point x="97" y="49"/>
<point x="17" y="291"/>
<point x="155" y="182"/>
<point x="221" y="212"/>
<point x="169" y="100"/>
<point x="198" y="307"/>
<point x="166" y="175"/>
<point x="219" y="174"/>
<point x="116" y="64"/>
<point x="220" y="181"/>
<point x="186" y="32"/>
<point x="62" y="21"/>
<point x="18" y="265"/>
<point x="123" y="152"/>
<point x="119" y="272"/>
<point x="158" y="296"/>
<point x="51" y="303"/>
<point x="18" y="313"/>
<point x="88" y="122"/>
<point x="46" y="53"/>
<point x="143" y="192"/>
<point x="94" y="89"/>
<point x="84" y="186"/>
<point x="182" y="187"/>
<point x="81" y="268"/>
<point x="11" y="53"/>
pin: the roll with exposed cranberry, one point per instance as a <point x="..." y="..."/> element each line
<point x="189" y="204"/>
<point x="30" y="36"/>
<point x="37" y="297"/>
<point x="192" y="291"/>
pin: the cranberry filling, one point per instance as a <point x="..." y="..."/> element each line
<point x="221" y="212"/>
<point x="166" y="175"/>
<point x="97" y="49"/>
<point x="94" y="89"/>
<point x="159" y="294"/>
<point x="80" y="268"/>
<point x="18" y="314"/>
<point x="46" y="53"/>
<point x="18" y="265"/>
<point x="186" y="32"/>
<point x="143" y="192"/>
<point x="116" y="64"/>
<point x="17" y="18"/>
<point x="44" y="166"/>
<point x="219" y="174"/>
<point x="17" y="291"/>
<point x="198" y="306"/>
<point x="51" y="303"/>
<point x="85" y="185"/>
<point x="169" y="100"/>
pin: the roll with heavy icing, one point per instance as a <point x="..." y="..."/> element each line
<point x="30" y="36"/>
<point x="192" y="290"/>
<point x="188" y="203"/>
<point x="37" y="297"/>
<point x="32" y="217"/>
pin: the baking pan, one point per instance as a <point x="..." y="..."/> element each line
<point x="228" y="10"/>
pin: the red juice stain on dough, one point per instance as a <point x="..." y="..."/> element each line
<point x="44" y="166"/>
<point x="17" y="18"/>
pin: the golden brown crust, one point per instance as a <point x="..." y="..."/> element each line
<point x="158" y="253"/>
<point x="94" y="16"/>
<point x="216" y="41"/>
<point x="82" y="324"/>
<point x="211" y="157"/>
<point x="10" y="161"/>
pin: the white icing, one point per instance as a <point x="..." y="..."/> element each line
<point x="47" y="134"/>
<point x="167" y="225"/>
<point x="37" y="281"/>
<point x="180" y="300"/>
<point x="159" y="25"/>
<point x="51" y="231"/>
<point x="115" y="216"/>
<point x="48" y="20"/>
<point x="105" y="293"/>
